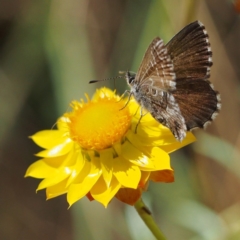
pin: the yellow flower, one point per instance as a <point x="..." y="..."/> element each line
<point x="97" y="152"/>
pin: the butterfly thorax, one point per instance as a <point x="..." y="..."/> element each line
<point x="134" y="85"/>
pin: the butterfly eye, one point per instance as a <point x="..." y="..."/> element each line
<point x="130" y="77"/>
<point x="130" y="80"/>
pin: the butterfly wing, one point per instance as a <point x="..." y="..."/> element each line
<point x="156" y="67"/>
<point x="191" y="54"/>
<point x="198" y="102"/>
<point x="164" y="108"/>
<point x="153" y="83"/>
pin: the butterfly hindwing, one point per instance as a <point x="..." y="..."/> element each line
<point x="198" y="101"/>
<point x="164" y="108"/>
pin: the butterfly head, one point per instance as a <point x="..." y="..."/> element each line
<point x="130" y="77"/>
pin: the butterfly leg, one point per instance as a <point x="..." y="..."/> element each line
<point x="129" y="97"/>
<point x="141" y="116"/>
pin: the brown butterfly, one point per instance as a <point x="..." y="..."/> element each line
<point x="172" y="81"/>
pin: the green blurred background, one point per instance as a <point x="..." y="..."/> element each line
<point x="49" y="50"/>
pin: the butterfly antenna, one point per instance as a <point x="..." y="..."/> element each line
<point x="100" y="80"/>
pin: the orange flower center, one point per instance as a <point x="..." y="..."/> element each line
<point x="98" y="125"/>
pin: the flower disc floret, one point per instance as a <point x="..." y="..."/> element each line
<point x="98" y="124"/>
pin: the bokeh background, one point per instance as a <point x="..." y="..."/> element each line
<point x="49" y="50"/>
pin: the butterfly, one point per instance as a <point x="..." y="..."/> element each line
<point x="172" y="81"/>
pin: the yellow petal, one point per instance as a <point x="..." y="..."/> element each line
<point x="106" y="159"/>
<point x="55" y="162"/>
<point x="60" y="174"/>
<point x="86" y="182"/>
<point x="126" y="173"/>
<point x="48" y="139"/>
<point x="157" y="135"/>
<point x="48" y="167"/>
<point x="159" y="160"/>
<point x="104" y="194"/>
<point x="135" y="139"/>
<point x="173" y="146"/>
<point x="62" y="124"/>
<point x="151" y="136"/>
<point x="165" y="139"/>
<point x="57" y="189"/>
<point x="57" y="150"/>
<point x="155" y="130"/>
<point x="134" y="108"/>
<point x="136" y="156"/>
<point x="102" y="93"/>
<point x="76" y="169"/>
<point x="40" y="169"/>
<point x="117" y="148"/>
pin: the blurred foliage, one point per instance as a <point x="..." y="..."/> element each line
<point x="49" y="50"/>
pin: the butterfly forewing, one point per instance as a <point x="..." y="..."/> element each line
<point x="153" y="88"/>
<point x="156" y="67"/>
<point x="190" y="52"/>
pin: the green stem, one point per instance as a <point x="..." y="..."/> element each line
<point x="146" y="216"/>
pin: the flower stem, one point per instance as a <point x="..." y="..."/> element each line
<point x="146" y="216"/>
